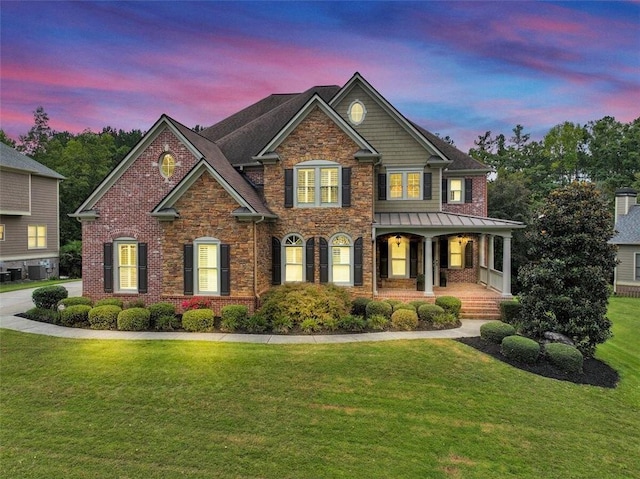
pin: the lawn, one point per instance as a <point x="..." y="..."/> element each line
<point x="404" y="409"/>
<point x="17" y="285"/>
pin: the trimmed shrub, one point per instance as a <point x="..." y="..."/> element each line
<point x="73" y="301"/>
<point x="233" y="316"/>
<point x="136" y="303"/>
<point x="417" y="303"/>
<point x="352" y="323"/>
<point x="197" y="302"/>
<point x="167" y="322"/>
<point x="450" y="304"/>
<point x="392" y="302"/>
<point x="567" y="358"/>
<point x="377" y="322"/>
<point x="408" y="307"/>
<point x="445" y="321"/>
<point x="520" y="349"/>
<point x="104" y="317"/>
<point x="198" y="320"/>
<point x="496" y="331"/>
<point x="359" y="306"/>
<point x="44" y="315"/>
<point x="156" y="310"/>
<point x="110" y="302"/>
<point x="510" y="311"/>
<point x="49" y="296"/>
<point x="256" y="323"/>
<point x="427" y="312"/>
<point x="379" y="308"/>
<point x="133" y="319"/>
<point x="404" y="319"/>
<point x="77" y="315"/>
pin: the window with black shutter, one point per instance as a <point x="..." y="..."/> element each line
<point x="382" y="186"/>
<point x="310" y="260"/>
<point x="288" y="188"/>
<point x="357" y="262"/>
<point x="143" y="283"/>
<point x="324" y="261"/>
<point x="346" y="187"/>
<point x="468" y="190"/>
<point x="188" y="269"/>
<point x="426" y="187"/>
<point x="276" y="258"/>
<point x="225" y="270"/>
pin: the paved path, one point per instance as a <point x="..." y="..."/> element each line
<point x="20" y="301"/>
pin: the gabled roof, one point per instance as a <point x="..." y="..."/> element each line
<point x="13" y="159"/>
<point x="628" y="227"/>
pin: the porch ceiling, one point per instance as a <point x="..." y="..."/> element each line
<point x="443" y="221"/>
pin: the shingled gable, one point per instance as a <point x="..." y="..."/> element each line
<point x="366" y="151"/>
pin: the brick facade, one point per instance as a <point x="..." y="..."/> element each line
<point x="478" y="207"/>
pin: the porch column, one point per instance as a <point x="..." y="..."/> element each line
<point x="483" y="259"/>
<point x="506" y="266"/>
<point x="428" y="266"/>
<point x="374" y="272"/>
<point x="492" y="263"/>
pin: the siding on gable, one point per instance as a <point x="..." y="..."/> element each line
<point x="14" y="192"/>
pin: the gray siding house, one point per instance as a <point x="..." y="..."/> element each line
<point x="29" y="217"/>
<point x="627" y="239"/>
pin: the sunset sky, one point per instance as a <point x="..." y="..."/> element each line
<point x="456" y="68"/>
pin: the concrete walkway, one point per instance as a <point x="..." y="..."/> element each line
<point x="20" y="301"/>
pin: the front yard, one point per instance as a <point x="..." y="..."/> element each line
<point x="421" y="408"/>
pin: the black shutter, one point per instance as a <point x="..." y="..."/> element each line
<point x="413" y="259"/>
<point x="142" y="268"/>
<point x="276" y="258"/>
<point x="384" y="259"/>
<point x="108" y="267"/>
<point x="346" y="187"/>
<point x="310" y="260"/>
<point x="444" y="252"/>
<point x="382" y="186"/>
<point x="357" y="262"/>
<point x="468" y="190"/>
<point x="426" y="186"/>
<point x="225" y="270"/>
<point x="324" y="261"/>
<point x="445" y="190"/>
<point x="468" y="255"/>
<point x="288" y="188"/>
<point x="188" y="269"/>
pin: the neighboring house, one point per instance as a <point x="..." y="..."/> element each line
<point x="627" y="238"/>
<point x="29" y="217"/>
<point x="332" y="185"/>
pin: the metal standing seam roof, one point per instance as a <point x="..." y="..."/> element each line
<point x="441" y="220"/>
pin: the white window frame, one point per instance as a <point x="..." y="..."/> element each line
<point x="392" y="244"/>
<point x="458" y="243"/>
<point x="350" y="264"/>
<point x="39" y="240"/>
<point x="450" y="190"/>
<point x="404" y="175"/>
<point x="353" y="120"/>
<point x="118" y="267"/>
<point x="206" y="241"/>
<point x="285" y="262"/>
<point x="317" y="167"/>
<point x="171" y="168"/>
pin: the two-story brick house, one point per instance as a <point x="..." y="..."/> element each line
<point x="332" y="185"/>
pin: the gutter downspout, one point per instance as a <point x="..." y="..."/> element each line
<point x="255" y="259"/>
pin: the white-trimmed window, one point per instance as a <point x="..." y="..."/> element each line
<point x="404" y="184"/>
<point x="637" y="267"/>
<point x="456" y="190"/>
<point x="36" y="236"/>
<point x="207" y="266"/>
<point x="167" y="165"/>
<point x="1" y="232"/>
<point x="398" y="255"/>
<point x="456" y="253"/>
<point x="293" y="255"/>
<point x="317" y="183"/>
<point x="341" y="262"/>
<point x="357" y="112"/>
<point x="126" y="261"/>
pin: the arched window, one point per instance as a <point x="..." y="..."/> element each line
<point x="293" y="259"/>
<point x="341" y="254"/>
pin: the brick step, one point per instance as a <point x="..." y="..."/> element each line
<point x="479" y="315"/>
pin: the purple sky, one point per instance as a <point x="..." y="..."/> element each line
<point x="456" y="68"/>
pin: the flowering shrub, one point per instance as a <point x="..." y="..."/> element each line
<point x="197" y="302"/>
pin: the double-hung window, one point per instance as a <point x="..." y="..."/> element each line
<point x="37" y="236"/>
<point x="126" y="266"/>
<point x="293" y="259"/>
<point x="207" y="267"/>
<point x="455" y="253"/>
<point x="399" y="249"/>
<point x="455" y="190"/>
<point x="341" y="259"/>
<point x="317" y="184"/>
<point x="404" y="185"/>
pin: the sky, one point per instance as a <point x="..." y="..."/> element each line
<point x="456" y="68"/>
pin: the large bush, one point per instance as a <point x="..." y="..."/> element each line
<point x="404" y="319"/>
<point x="133" y="319"/>
<point x="450" y="304"/>
<point x="71" y="259"/>
<point x="157" y="310"/>
<point x="564" y="287"/>
<point x="198" y="320"/>
<point x="77" y="315"/>
<point x="428" y="312"/>
<point x="49" y="296"/>
<point x="290" y="305"/>
<point x="104" y="317"/>
<point x="520" y="349"/>
<point x="233" y="317"/>
<point x="510" y="312"/>
<point x="496" y="331"/>
<point x="359" y="306"/>
<point x="379" y="308"/>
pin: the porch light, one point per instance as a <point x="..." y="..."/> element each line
<point x="398" y="240"/>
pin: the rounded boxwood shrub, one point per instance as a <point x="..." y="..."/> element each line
<point x="136" y="303"/>
<point x="104" y="317"/>
<point x="359" y="306"/>
<point x="510" y="311"/>
<point x="496" y="331"/>
<point x="567" y="358"/>
<point x="157" y="310"/>
<point x="77" y="315"/>
<point x="404" y="319"/>
<point x="520" y="349"/>
<point x="417" y="303"/>
<point x="406" y="306"/>
<point x="198" y="320"/>
<point x="381" y="308"/>
<point x="73" y="301"/>
<point x="133" y="319"/>
<point x="392" y="302"/>
<point x="49" y="296"/>
<point x="377" y="322"/>
<point x="427" y="312"/>
<point x="233" y="315"/>
<point x="110" y="301"/>
<point x="450" y="304"/>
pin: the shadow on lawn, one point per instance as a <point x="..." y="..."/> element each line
<point x="595" y="372"/>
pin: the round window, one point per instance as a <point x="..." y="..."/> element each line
<point x="357" y="112"/>
<point x="167" y="165"/>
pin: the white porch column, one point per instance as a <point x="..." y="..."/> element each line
<point x="428" y="266"/>
<point x="506" y="266"/>
<point x="491" y="264"/>
<point x="483" y="260"/>
<point x="374" y="272"/>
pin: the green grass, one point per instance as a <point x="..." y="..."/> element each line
<point x="403" y="409"/>
<point x="15" y="286"/>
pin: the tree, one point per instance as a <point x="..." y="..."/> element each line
<point x="6" y="140"/>
<point x="565" y="285"/>
<point x="565" y="144"/>
<point x="34" y="143"/>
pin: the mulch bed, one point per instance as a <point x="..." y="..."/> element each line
<point x="595" y="372"/>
